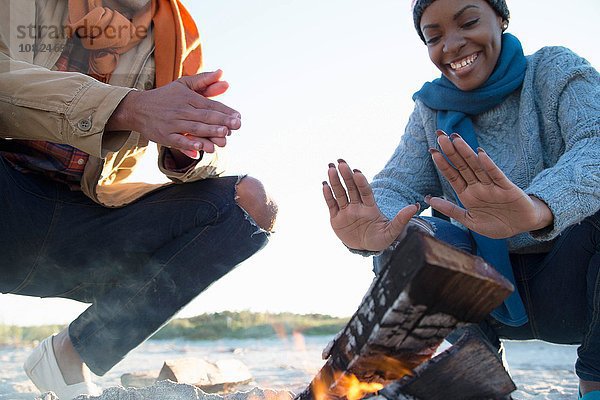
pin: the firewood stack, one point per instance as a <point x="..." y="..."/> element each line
<point x="426" y="289"/>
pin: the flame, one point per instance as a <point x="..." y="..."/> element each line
<point x="280" y="331"/>
<point x="343" y="385"/>
<point x="329" y="384"/>
<point x="390" y="368"/>
<point x="320" y="389"/>
<point x="299" y="342"/>
<point x="354" y="389"/>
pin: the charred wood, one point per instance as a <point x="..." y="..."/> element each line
<point x="471" y="369"/>
<point x="425" y="290"/>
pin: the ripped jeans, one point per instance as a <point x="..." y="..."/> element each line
<point x="560" y="290"/>
<point x="137" y="265"/>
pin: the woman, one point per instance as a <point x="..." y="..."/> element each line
<point x="532" y="212"/>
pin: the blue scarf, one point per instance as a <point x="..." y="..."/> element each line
<point x="454" y="110"/>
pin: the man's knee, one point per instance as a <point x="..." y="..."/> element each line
<point x="252" y="197"/>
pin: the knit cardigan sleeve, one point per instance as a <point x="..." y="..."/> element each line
<point x="410" y="174"/>
<point x="568" y="90"/>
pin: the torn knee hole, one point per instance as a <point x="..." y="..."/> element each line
<point x="251" y="197"/>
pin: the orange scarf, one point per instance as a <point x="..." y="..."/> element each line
<point x="108" y="34"/>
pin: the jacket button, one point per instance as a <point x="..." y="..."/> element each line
<point x="148" y="85"/>
<point x="85" y="124"/>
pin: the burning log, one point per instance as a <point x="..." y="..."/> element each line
<point x="425" y="290"/>
<point x="482" y="375"/>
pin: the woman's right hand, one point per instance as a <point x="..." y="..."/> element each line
<point x="354" y="215"/>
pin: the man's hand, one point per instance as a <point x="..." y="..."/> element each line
<point x="494" y="206"/>
<point x="180" y="114"/>
<point x="354" y="215"/>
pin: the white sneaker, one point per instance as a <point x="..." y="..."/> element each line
<point x="41" y="367"/>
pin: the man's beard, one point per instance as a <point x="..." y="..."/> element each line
<point x="134" y="5"/>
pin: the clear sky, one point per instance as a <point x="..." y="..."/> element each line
<point x="316" y="81"/>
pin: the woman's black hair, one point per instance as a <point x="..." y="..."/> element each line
<point x="419" y="7"/>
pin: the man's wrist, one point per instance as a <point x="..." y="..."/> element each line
<point x="122" y="117"/>
<point x="176" y="161"/>
<point x="182" y="161"/>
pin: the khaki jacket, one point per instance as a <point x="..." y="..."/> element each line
<point x="38" y="103"/>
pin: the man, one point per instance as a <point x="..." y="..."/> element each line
<point x="85" y="85"/>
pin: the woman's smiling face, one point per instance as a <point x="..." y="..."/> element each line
<point x="464" y="39"/>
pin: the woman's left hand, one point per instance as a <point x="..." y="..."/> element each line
<point x="494" y="206"/>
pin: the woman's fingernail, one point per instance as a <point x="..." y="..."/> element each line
<point x="342" y="161"/>
<point x="357" y="171"/>
<point x="455" y="136"/>
<point x="427" y="198"/>
<point x="440" y="132"/>
<point x="331" y="165"/>
<point x="480" y="150"/>
<point x="418" y="206"/>
<point x="324" y="183"/>
<point x="433" y="151"/>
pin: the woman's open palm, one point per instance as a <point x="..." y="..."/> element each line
<point x="354" y="215"/>
<point x="493" y="205"/>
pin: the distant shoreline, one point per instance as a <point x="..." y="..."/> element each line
<point x="223" y="325"/>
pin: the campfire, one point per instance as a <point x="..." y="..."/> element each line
<point x="388" y="349"/>
<point x="425" y="291"/>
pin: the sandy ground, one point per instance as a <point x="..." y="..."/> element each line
<point x="540" y="370"/>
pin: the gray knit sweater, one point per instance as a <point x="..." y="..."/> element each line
<point x="545" y="137"/>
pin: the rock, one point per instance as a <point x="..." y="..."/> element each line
<point x="47" y="396"/>
<point x="211" y="377"/>
<point x="138" y="379"/>
<point x="260" y="394"/>
<point x="167" y="390"/>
